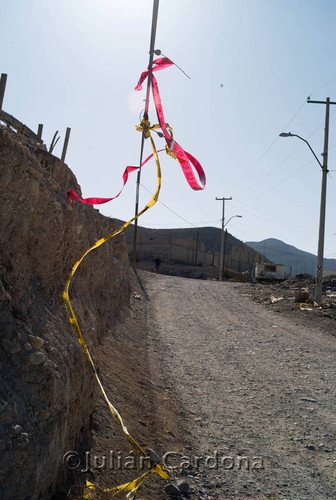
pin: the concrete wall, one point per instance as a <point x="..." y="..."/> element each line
<point x="238" y="258"/>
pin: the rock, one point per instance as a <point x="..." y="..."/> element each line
<point x="2" y="444"/>
<point x="21" y="439"/>
<point x="154" y="457"/>
<point x="184" y="488"/>
<point x="6" y="414"/>
<point x="4" y="295"/>
<point x="11" y="347"/>
<point x="311" y="447"/>
<point x="15" y="430"/>
<point x="172" y="491"/>
<point x="35" y="341"/>
<point x="27" y="347"/>
<point x="35" y="358"/>
<point x="15" y="359"/>
<point x="34" y="173"/>
<point x="28" y="330"/>
<point x="23" y="308"/>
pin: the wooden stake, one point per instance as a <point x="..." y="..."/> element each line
<point x="3" y="82"/>
<point x="66" y="142"/>
<point x="39" y="131"/>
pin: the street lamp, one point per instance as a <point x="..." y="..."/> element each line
<point x="319" y="268"/>
<point x="289" y="134"/>
<point x="240" y="216"/>
<point x="225" y="238"/>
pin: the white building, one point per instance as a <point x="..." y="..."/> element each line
<point x="269" y="272"/>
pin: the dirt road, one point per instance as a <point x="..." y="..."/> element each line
<point x="254" y="393"/>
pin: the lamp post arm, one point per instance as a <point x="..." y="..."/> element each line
<point x="311" y="149"/>
<point x="231" y="218"/>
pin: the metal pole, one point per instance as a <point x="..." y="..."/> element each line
<point x="3" y="82"/>
<point x="149" y="81"/>
<point x="221" y="261"/>
<point x="319" y="269"/>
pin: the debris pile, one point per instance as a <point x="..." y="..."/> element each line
<point x="297" y="294"/>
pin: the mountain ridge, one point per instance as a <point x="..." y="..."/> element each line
<point x="282" y="253"/>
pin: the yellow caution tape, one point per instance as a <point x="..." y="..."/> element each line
<point x="129" y="488"/>
<point x="146" y="127"/>
<point x="170" y="153"/>
<point x="132" y="486"/>
<point x="308" y="307"/>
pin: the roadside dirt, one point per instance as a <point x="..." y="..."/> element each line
<point x="294" y="297"/>
<point x="212" y="374"/>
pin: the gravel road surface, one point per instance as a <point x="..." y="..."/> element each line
<point x="254" y="392"/>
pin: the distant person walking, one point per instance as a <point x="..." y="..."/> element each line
<point x="157" y="263"/>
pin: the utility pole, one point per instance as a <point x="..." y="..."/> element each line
<point x="319" y="268"/>
<point x="196" y="248"/>
<point x="149" y="81"/>
<point x="224" y="252"/>
<point x="221" y="260"/>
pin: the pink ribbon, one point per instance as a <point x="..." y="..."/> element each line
<point x="185" y="159"/>
<point x="158" y="64"/>
<point x="99" y="201"/>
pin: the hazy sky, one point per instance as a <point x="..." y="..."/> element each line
<point x="252" y="65"/>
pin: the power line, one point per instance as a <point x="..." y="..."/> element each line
<point x="173" y="224"/>
<point x="264" y="216"/>
<point x="282" y="162"/>
<point x="331" y="178"/>
<point x="244" y="204"/>
<point x="268" y="149"/>
<point x="206" y="215"/>
<point x="323" y="86"/>
<point x="289" y="156"/>
<point x="283" y="180"/>
<point x="279" y="224"/>
<point x="170" y="209"/>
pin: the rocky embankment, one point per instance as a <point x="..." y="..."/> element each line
<point x="46" y="384"/>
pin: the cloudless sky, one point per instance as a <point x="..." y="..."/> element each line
<point x="252" y="65"/>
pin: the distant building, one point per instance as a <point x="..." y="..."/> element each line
<point x="326" y="272"/>
<point x="269" y="272"/>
